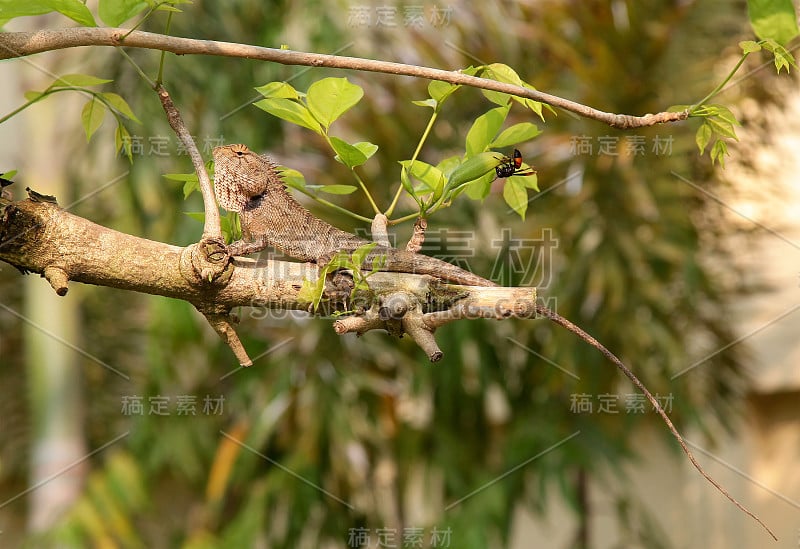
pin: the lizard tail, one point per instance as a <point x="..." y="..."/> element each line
<point x="406" y="262"/>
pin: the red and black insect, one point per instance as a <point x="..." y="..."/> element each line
<point x="513" y="166"/>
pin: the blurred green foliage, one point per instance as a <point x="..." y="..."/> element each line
<point x="326" y="434"/>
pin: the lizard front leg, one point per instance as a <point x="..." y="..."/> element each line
<point x="247" y="247"/>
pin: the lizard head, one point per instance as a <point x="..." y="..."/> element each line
<point x="239" y="174"/>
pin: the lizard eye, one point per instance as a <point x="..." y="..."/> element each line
<point x="239" y="150"/>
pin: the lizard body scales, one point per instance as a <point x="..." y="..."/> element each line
<point x="249" y="184"/>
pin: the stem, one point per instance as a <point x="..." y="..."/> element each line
<point x="337" y="208"/>
<point x="722" y="84"/>
<point x="425" y="134"/>
<point x="366" y="192"/>
<point x="25" y="106"/>
<point x="160" y="78"/>
<point x="137" y="68"/>
<point x="46" y="93"/>
<point x="360" y="182"/>
<point x="145" y="18"/>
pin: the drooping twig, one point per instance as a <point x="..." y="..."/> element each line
<point x="558" y="319"/>
<point x="20" y="44"/>
<point x="211" y="228"/>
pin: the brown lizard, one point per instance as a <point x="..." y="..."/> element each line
<point x="249" y="184"/>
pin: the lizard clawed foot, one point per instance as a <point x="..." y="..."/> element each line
<point x="243" y="247"/>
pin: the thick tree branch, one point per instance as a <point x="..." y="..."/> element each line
<point x="20" y="44"/>
<point x="38" y="236"/>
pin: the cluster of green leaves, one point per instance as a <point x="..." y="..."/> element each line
<point x="474" y="172"/>
<point x="718" y="123"/>
<point x="775" y="23"/>
<point x="325" y="101"/>
<point x="95" y="109"/>
<point x="112" y="12"/>
<point x="431" y="186"/>
<point x="312" y="292"/>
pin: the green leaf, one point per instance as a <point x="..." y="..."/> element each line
<point x="197" y="216"/>
<point x="9" y="175"/>
<point x="293" y="178"/>
<point x="340" y="260"/>
<point x="280" y="90"/>
<point x="311" y="292"/>
<point x="33" y="95"/>
<point x="347" y="154"/>
<point x="426" y="103"/>
<point x="291" y="111"/>
<point x="749" y="46"/>
<point x="773" y="20"/>
<point x="231" y="226"/>
<point x="78" y="80"/>
<point x="189" y="187"/>
<point x="515" y="134"/>
<point x="122" y="140"/>
<point x="92" y="116"/>
<point x="703" y="137"/>
<point x="360" y="254"/>
<point x="116" y="102"/>
<point x="406" y="182"/>
<point x="330" y="98"/>
<point x="503" y="73"/>
<point x="74" y="9"/>
<point x="496" y="97"/>
<point x="516" y="196"/>
<point x="722" y="127"/>
<point x="719" y="151"/>
<point x="479" y="188"/>
<point x="10" y="9"/>
<point x="366" y="147"/>
<point x="190" y="182"/>
<point x="439" y="91"/>
<point x="430" y="176"/>
<point x="783" y="58"/>
<point x="447" y="165"/>
<point x="338" y="189"/>
<point x="182" y="177"/>
<point x="170" y="8"/>
<point x="725" y="114"/>
<point x="527" y="181"/>
<point x="536" y="106"/>
<point x="478" y="166"/>
<point x="484" y="130"/>
<point x="115" y="12"/>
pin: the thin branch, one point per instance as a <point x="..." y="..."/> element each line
<point x="561" y="321"/>
<point x="20" y="44"/>
<point x="211" y="228"/>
